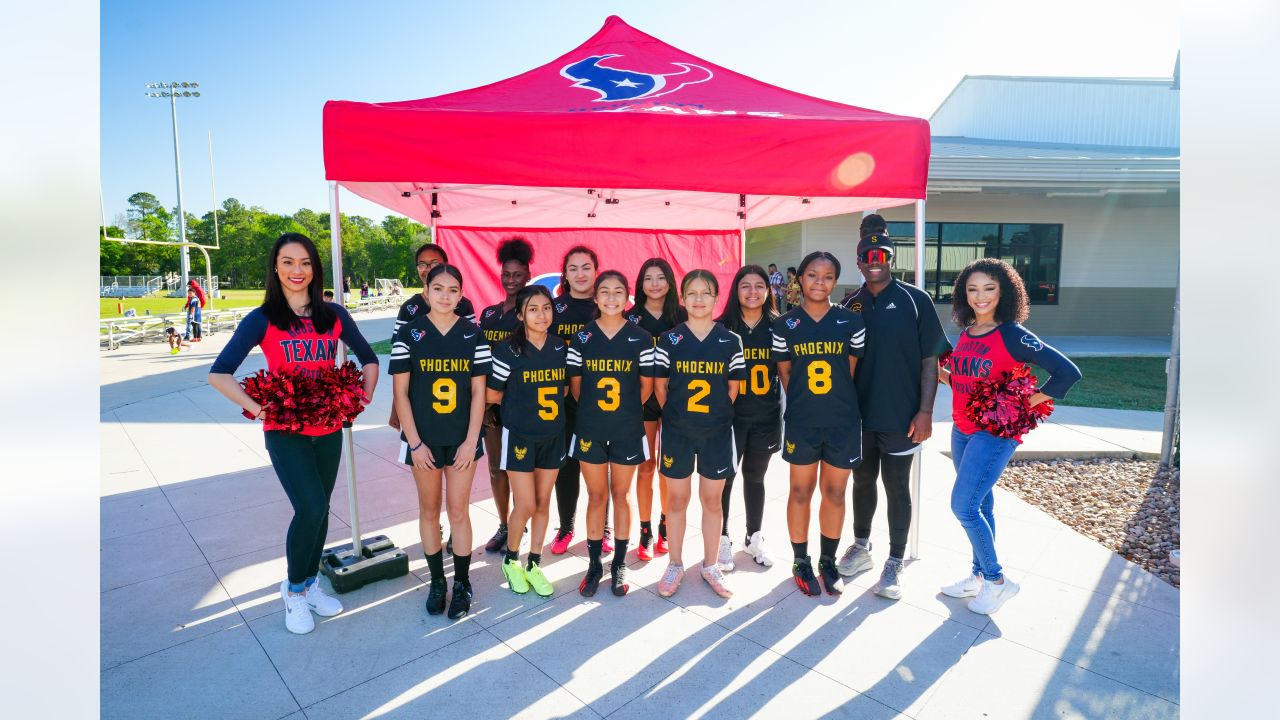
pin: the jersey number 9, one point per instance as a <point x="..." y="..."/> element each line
<point x="547" y="408"/>
<point x="819" y="377"/>
<point x="446" y="392"/>
<point x="700" y="389"/>
<point x="612" y="394"/>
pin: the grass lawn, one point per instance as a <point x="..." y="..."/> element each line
<point x="1123" y="383"/>
<point x="160" y="305"/>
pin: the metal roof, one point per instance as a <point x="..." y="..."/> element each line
<point x="1124" y="112"/>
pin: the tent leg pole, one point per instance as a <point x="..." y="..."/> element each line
<point x="742" y="228"/>
<point x="917" y="472"/>
<point x="348" y="447"/>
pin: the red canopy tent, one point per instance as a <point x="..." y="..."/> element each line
<point x="626" y="142"/>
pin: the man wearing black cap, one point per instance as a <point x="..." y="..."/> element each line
<point x="896" y="381"/>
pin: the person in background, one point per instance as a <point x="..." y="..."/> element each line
<point x="174" y="338"/>
<point x="192" y="308"/>
<point x="792" y="289"/>
<point x="777" y="285"/>
<point x="328" y="296"/>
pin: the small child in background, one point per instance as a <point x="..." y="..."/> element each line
<point x="175" y="340"/>
<point x="328" y="296"/>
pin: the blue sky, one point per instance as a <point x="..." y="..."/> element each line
<point x="266" y="69"/>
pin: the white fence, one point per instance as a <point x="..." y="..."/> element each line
<point x="114" y="332"/>
<point x="131" y="286"/>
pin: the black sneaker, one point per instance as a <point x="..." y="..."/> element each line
<point x="435" y="597"/>
<point x="591" y="581"/>
<point x="498" y="542"/>
<point x="802" y="571"/>
<point x="831" y="579"/>
<point x="619" y="579"/>
<point x="460" y="605"/>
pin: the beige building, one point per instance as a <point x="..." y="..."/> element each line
<point x="1074" y="181"/>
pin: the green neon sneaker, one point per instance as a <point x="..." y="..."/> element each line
<point x="515" y="576"/>
<point x="538" y="581"/>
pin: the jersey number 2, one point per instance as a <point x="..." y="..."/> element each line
<point x="612" y="394"/>
<point x="547" y="408"/>
<point x="819" y="377"/>
<point x="700" y="389"/>
<point x="446" y="392"/>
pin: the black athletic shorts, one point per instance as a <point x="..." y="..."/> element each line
<point x="713" y="455"/>
<point x="443" y="455"/>
<point x="522" y="454"/>
<point x="836" y="446"/>
<point x="888" y="443"/>
<point x="598" y="452"/>
<point x="652" y="409"/>
<point x="757" y="437"/>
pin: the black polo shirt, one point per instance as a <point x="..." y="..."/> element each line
<point x="902" y="330"/>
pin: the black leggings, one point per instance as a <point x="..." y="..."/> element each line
<point x="307" y="467"/>
<point x="753" y="466"/>
<point x="895" y="472"/>
<point x="569" y="481"/>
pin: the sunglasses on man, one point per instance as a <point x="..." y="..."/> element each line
<point x="876" y="256"/>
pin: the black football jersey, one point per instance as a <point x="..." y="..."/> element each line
<point x="440" y="369"/>
<point x="655" y="326"/>
<point x="820" y="389"/>
<point x="496" y="324"/>
<point x="416" y="306"/>
<point x="759" y="400"/>
<point x="571" y="316"/>
<point x="699" y="373"/>
<point x="533" y="385"/>
<point x="609" y="406"/>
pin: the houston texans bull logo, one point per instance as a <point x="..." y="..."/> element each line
<point x="614" y="84"/>
<point x="1032" y="342"/>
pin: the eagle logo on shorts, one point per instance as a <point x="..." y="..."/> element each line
<point x="668" y="461"/>
<point x="520" y="452"/>
<point x="584" y="445"/>
<point x="792" y="323"/>
<point x="791" y="447"/>
<point x="675" y="338"/>
<point x="417" y="335"/>
<point x="584" y="336"/>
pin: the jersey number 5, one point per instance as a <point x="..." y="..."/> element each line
<point x="819" y="377"/>
<point x="700" y="389"/>
<point x="446" y="392"/>
<point x="612" y="394"/>
<point x="547" y="408"/>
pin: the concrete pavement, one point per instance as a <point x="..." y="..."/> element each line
<point x="193" y="524"/>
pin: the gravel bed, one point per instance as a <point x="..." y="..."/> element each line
<point x="1127" y="505"/>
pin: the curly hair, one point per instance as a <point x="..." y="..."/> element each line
<point x="1013" y="304"/>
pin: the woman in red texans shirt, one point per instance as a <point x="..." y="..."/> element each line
<point x="298" y="330"/>
<point x="990" y="303"/>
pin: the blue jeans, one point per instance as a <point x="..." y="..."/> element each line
<point x="979" y="459"/>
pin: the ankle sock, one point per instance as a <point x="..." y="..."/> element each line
<point x="534" y="559"/>
<point x="435" y="561"/>
<point x="864" y="542"/>
<point x="462" y="568"/>
<point x="827" y="546"/>
<point x="800" y="549"/>
<point x="513" y="555"/>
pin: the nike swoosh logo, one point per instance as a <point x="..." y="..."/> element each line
<point x="468" y="337"/>
<point x="841" y="322"/>
<point x="633" y="339"/>
<point x="773" y="446"/>
<point x="726" y="339"/>
<point x="633" y="457"/>
<point x="721" y="470"/>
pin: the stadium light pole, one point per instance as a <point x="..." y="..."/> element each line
<point x="173" y="91"/>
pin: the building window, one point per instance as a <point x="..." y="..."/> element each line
<point x="1033" y="249"/>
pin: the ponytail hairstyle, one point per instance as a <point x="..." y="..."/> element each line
<point x="515" y="249"/>
<point x="274" y="304"/>
<point x="731" y="318"/>
<point x="564" y="266"/>
<point x="671" y="303"/>
<point x="704" y="275"/>
<point x="606" y="275"/>
<point x="519" y="339"/>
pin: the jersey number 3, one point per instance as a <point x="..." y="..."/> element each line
<point x="612" y="394"/>
<point x="547" y="408"/>
<point x="700" y="389"/>
<point x="819" y="377"/>
<point x="446" y="392"/>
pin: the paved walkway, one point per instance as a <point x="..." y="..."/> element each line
<point x="191" y="622"/>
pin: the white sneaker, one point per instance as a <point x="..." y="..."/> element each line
<point x="757" y="550"/>
<point x="297" y="614"/>
<point x="321" y="603"/>
<point x="725" y="559"/>
<point x="715" y="578"/>
<point x="968" y="587"/>
<point x="992" y="596"/>
<point x="855" y="560"/>
<point x="888" y="586"/>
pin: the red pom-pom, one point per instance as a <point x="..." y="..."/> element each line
<point x="298" y="399"/>
<point x="1001" y="405"/>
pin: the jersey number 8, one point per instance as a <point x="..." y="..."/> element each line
<point x="700" y="389"/>
<point x="612" y="394"/>
<point x="819" y="377"/>
<point x="547" y="408"/>
<point x="446" y="392"/>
